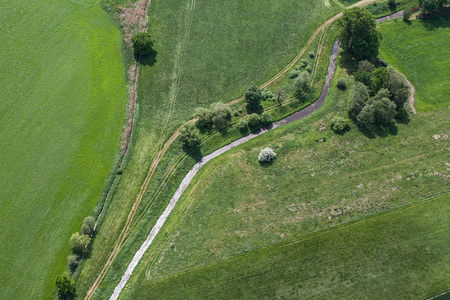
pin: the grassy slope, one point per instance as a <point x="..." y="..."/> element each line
<point x="221" y="218"/>
<point x="420" y="51"/>
<point x="401" y="254"/>
<point x="157" y="85"/>
<point x="63" y="96"/>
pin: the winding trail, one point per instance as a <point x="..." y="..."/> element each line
<point x="196" y="167"/>
<point x="296" y="116"/>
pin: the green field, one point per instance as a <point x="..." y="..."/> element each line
<point x="63" y="99"/>
<point x="319" y="180"/>
<point x="205" y="53"/>
<point x="403" y="254"/>
<point x="419" y="49"/>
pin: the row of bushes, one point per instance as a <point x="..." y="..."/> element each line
<point x="80" y="244"/>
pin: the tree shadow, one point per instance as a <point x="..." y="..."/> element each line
<point x="194" y="152"/>
<point x="348" y="63"/>
<point x="148" y="60"/>
<point x="266" y="164"/>
<point x="436" y="20"/>
<point x="372" y="131"/>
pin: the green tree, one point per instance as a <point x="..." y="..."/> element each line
<point x="301" y="82"/>
<point x="221" y="114"/>
<point x="358" y="100"/>
<point x="190" y="135"/>
<point x="65" y="285"/>
<point x="254" y="120"/>
<point x="339" y="124"/>
<point x="79" y="243"/>
<point x="142" y="43"/>
<point x="384" y="111"/>
<point x="266" y="118"/>
<point x="72" y="262"/>
<point x="399" y="90"/>
<point x="204" y="117"/>
<point x="378" y="79"/>
<point x="431" y="5"/>
<point x="253" y="97"/>
<point x="364" y="72"/>
<point x="88" y="226"/>
<point x="358" y="34"/>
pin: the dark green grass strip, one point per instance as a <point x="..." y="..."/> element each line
<point x="400" y="254"/>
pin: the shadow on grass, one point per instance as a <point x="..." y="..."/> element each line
<point x="436" y="20"/>
<point x="194" y="152"/>
<point x="382" y="131"/>
<point x="267" y="164"/>
<point x="148" y="60"/>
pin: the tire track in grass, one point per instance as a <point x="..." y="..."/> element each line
<point x="126" y="229"/>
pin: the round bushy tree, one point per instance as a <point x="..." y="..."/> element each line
<point x="358" y="34"/>
<point x="72" y="262"/>
<point x="190" y="135"/>
<point x="79" y="243"/>
<point x="339" y="124"/>
<point x="142" y="43"/>
<point x="266" y="154"/>
<point x="254" y="120"/>
<point x="341" y="84"/>
<point x="266" y="118"/>
<point x="253" y="97"/>
<point x="242" y="125"/>
<point x="204" y="117"/>
<point x="301" y="82"/>
<point x="65" y="285"/>
<point x="358" y="100"/>
<point x="221" y="114"/>
<point x="88" y="226"/>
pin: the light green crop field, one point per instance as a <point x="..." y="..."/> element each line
<point x="419" y="50"/>
<point x="206" y="52"/>
<point x="403" y="254"/>
<point x="63" y="96"/>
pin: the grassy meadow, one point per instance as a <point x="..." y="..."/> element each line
<point x="319" y="180"/>
<point x="419" y="49"/>
<point x="195" y="65"/>
<point x="402" y="254"/>
<point x="63" y="100"/>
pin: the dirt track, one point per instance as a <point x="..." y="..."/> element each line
<point x="296" y="116"/>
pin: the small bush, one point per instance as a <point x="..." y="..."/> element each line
<point x="294" y="74"/>
<point x="72" y="262"/>
<point x="341" y="84"/>
<point x="79" y="243"/>
<point x="392" y="4"/>
<point x="88" y="226"/>
<point x="339" y="124"/>
<point x="267" y="95"/>
<point x="312" y="54"/>
<point x="266" y="155"/>
<point x="242" y="125"/>
<point x="304" y="63"/>
<point x="406" y="14"/>
<point x="308" y="69"/>
<point x="235" y="113"/>
<point x="266" y="118"/>
<point x="240" y="110"/>
<point x="301" y="82"/>
<point x="254" y="120"/>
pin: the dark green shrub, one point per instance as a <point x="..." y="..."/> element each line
<point x="312" y="54"/>
<point x="392" y="4"/>
<point x="204" y="117"/>
<point x="142" y="43"/>
<point x="79" y="243"/>
<point x="65" y="285"/>
<point x="221" y="114"/>
<point x="294" y="73"/>
<point x="253" y="97"/>
<point x="303" y="63"/>
<point x="339" y="124"/>
<point x="242" y="125"/>
<point x="254" y="120"/>
<point x="88" y="226"/>
<point x="240" y="110"/>
<point x="341" y="84"/>
<point x="406" y="14"/>
<point x="72" y="262"/>
<point x="190" y="135"/>
<point x="308" y="69"/>
<point x="235" y="113"/>
<point x="266" y="118"/>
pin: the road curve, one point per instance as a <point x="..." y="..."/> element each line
<point x="196" y="167"/>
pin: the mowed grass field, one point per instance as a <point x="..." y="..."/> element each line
<point x="63" y="98"/>
<point x="419" y="50"/>
<point x="206" y="52"/>
<point x="403" y="254"/>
